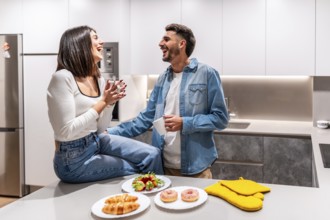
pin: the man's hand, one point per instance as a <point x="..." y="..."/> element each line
<point x="173" y="122"/>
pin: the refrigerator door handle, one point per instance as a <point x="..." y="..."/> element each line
<point x="7" y="129"/>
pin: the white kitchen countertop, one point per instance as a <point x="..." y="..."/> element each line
<point x="73" y="201"/>
<point x="273" y="127"/>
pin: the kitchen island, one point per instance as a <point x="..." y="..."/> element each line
<point x="74" y="201"/>
<point x="66" y="201"/>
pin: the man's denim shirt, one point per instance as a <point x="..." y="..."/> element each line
<point x="202" y="108"/>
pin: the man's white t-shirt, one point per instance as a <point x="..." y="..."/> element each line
<point x="172" y="149"/>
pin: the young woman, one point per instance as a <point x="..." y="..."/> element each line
<point x="80" y="105"/>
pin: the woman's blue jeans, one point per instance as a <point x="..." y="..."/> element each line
<point x="102" y="156"/>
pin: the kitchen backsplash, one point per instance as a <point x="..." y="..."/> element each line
<point x="293" y="98"/>
<point x="270" y="97"/>
<point x="321" y="98"/>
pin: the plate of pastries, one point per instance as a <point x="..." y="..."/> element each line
<point x="120" y="205"/>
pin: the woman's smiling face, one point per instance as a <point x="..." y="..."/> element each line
<point x="97" y="47"/>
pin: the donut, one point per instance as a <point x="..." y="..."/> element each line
<point x="189" y="195"/>
<point x="168" y="195"/>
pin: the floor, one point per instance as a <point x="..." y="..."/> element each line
<point x="6" y="200"/>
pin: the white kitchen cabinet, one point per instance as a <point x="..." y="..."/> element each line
<point x="205" y="20"/>
<point x="11" y="16"/>
<point x="323" y="37"/>
<point x="124" y="43"/>
<point x="110" y="18"/>
<point x="148" y="20"/>
<point x="290" y="37"/>
<point x="244" y="37"/>
<point x="39" y="138"/>
<point x="44" y="22"/>
<point x="102" y="15"/>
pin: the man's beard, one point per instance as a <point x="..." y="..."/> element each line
<point x="170" y="54"/>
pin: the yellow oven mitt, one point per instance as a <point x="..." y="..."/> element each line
<point x="244" y="187"/>
<point x="251" y="202"/>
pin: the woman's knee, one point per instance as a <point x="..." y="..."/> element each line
<point x="154" y="152"/>
<point x="104" y="137"/>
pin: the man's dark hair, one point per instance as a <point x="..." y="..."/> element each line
<point x="186" y="33"/>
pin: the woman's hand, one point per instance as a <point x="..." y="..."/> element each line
<point x="114" y="91"/>
<point x="111" y="94"/>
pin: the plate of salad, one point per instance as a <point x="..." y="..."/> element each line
<point x="146" y="183"/>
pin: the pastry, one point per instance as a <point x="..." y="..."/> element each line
<point x="121" y="198"/>
<point x="168" y="195"/>
<point x="120" y="208"/>
<point x="189" y="195"/>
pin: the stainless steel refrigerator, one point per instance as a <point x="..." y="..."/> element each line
<point x="12" y="178"/>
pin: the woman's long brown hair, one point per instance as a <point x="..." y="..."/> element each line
<point x="75" y="52"/>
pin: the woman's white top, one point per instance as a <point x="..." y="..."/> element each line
<point x="70" y="112"/>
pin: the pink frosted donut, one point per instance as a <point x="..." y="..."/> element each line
<point x="168" y="195"/>
<point x="189" y="195"/>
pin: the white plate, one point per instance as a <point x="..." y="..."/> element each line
<point x="127" y="186"/>
<point x="143" y="200"/>
<point x="179" y="204"/>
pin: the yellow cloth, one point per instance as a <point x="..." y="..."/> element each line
<point x="244" y="187"/>
<point x="251" y="202"/>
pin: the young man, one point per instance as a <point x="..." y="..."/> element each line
<point x="189" y="96"/>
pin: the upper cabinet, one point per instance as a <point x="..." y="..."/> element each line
<point x="268" y="37"/>
<point x="244" y="37"/>
<point x="205" y="21"/>
<point x="44" y="22"/>
<point x="323" y="37"/>
<point x="148" y="20"/>
<point x="103" y="17"/>
<point x="290" y="37"/>
<point x="11" y="16"/>
<point x="110" y="19"/>
<point x="236" y="37"/>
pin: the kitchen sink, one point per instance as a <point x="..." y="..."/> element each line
<point x="238" y="125"/>
<point x="325" y="152"/>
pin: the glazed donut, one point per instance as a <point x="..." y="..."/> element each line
<point x="189" y="195"/>
<point x="168" y="195"/>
